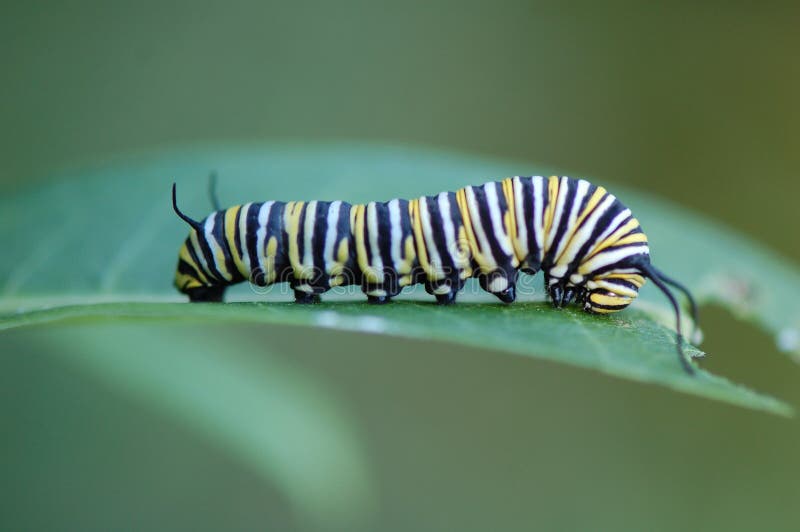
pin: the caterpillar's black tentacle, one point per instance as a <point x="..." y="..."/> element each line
<point x="651" y="273"/>
<point x="212" y="190"/>
<point x="686" y="292"/>
<point x="585" y="241"/>
<point x="193" y="223"/>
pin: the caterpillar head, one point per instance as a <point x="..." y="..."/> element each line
<point x="612" y="292"/>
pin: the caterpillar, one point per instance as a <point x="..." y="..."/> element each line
<point x="590" y="248"/>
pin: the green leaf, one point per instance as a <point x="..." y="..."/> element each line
<point x="104" y="243"/>
<point x="280" y="422"/>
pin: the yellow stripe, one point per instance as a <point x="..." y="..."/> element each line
<point x="635" y="278"/>
<point x="292" y="224"/>
<point x="416" y="224"/>
<point x="611" y="301"/>
<point x="199" y="252"/>
<point x="511" y="217"/>
<point x="409" y="256"/>
<point x="182" y="280"/>
<point x="598" y="195"/>
<point x="269" y="262"/>
<point x="593" y="201"/>
<point x="344" y="252"/>
<point x="635" y="238"/>
<point x="550" y="210"/>
<point x="463" y="206"/>
<point x="219" y="257"/>
<point x="367" y="270"/>
<point x="230" y="236"/>
<point x="611" y="240"/>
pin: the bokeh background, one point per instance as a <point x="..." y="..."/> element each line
<point x="695" y="102"/>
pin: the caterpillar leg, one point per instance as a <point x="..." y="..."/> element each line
<point x="557" y="293"/>
<point x="206" y="294"/>
<point x="500" y="285"/>
<point x="380" y="293"/>
<point x="509" y="295"/>
<point x="445" y="290"/>
<point x="306" y="298"/>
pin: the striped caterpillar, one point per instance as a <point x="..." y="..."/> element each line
<point x="591" y="249"/>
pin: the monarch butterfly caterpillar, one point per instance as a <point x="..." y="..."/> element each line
<point x="591" y="249"/>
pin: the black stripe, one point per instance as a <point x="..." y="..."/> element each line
<point x="503" y="261"/>
<point x="219" y="236"/>
<point x="301" y="232"/>
<point x="601" y="225"/>
<point x="458" y="221"/>
<point x="405" y="225"/>
<point x="384" y="220"/>
<point x="237" y="235"/>
<point x="563" y="222"/>
<point x="208" y="253"/>
<point x="439" y="240"/>
<point x="276" y="228"/>
<point x="250" y="237"/>
<point x="187" y="269"/>
<point x="609" y="307"/>
<point x="318" y="244"/>
<point x="544" y="198"/>
<point x="345" y="232"/>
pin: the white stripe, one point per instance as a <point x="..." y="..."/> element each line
<point x="200" y="256"/>
<point x="497" y="222"/>
<point x="243" y="235"/>
<point x="308" y="236"/>
<point x="522" y="223"/>
<point x="449" y="231"/>
<point x="434" y="258"/>
<point x="483" y="242"/>
<point x="580" y="193"/>
<point x="585" y="232"/>
<point x="397" y="232"/>
<point x="560" y="200"/>
<point x="261" y="233"/>
<point x="538" y="214"/>
<point x="372" y="232"/>
<point x="617" y="288"/>
<point x="613" y="226"/>
<point x="208" y="228"/>
<point x="330" y="235"/>
<point x="604" y="258"/>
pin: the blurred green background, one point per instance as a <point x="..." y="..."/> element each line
<point x="696" y="103"/>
